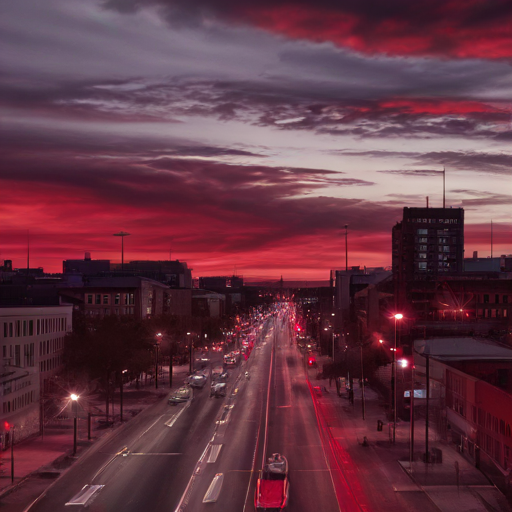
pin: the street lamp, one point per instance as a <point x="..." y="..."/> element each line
<point x="121" y="392"/>
<point x="397" y="316"/>
<point x="122" y="234"/>
<point x="74" y="402"/>
<point x="157" y="344"/>
<point x="190" y="353"/>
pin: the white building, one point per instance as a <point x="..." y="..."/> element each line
<point x="31" y="352"/>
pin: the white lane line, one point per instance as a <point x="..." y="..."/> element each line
<point x="188" y="490"/>
<point x="173" y="420"/>
<point x="123" y="451"/>
<point x="212" y="494"/>
<point x="85" y="495"/>
<point x="143" y="453"/>
<point x="214" y="453"/>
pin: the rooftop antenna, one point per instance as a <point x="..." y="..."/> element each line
<point x="427" y="201"/>
<point x="444" y="187"/>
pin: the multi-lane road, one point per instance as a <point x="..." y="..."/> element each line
<point x="168" y="457"/>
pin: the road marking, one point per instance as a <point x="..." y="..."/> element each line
<point x="85" y="495"/>
<point x="141" y="453"/>
<point x="214" y="453"/>
<point x="123" y="451"/>
<point x="212" y="494"/>
<point x="173" y="420"/>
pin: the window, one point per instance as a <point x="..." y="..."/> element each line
<point x="31" y="327"/>
<point x="132" y="298"/>
<point x="422" y="240"/>
<point x="97" y="299"/>
<point x="423" y="247"/>
<point x="117" y="299"/>
<point x="422" y="255"/>
<point x="422" y="231"/>
<point x="89" y="298"/>
<point x="486" y="298"/>
<point x="106" y="299"/>
<point x="496" y="298"/>
<point x="446" y="248"/>
<point x="422" y="265"/>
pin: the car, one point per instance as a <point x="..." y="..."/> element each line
<point x="198" y="380"/>
<point x="273" y="487"/>
<point x="312" y="362"/>
<point x="181" y="395"/>
<point x="218" y="390"/>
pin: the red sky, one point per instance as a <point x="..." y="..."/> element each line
<point x="243" y="136"/>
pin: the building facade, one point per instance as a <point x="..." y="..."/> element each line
<point x="426" y="245"/>
<point x="32" y="348"/>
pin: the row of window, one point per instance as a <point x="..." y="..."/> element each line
<point x="19" y="328"/>
<point x="50" y="346"/>
<point x="15" y="385"/>
<point x="106" y="298"/>
<point x="434" y="221"/>
<point x="492" y="313"/>
<point x="14" y="353"/>
<point x="18" y="402"/>
<point x="110" y="311"/>
<point x="438" y="232"/>
<point x="442" y="266"/>
<point x="486" y="297"/>
<point x="50" y="364"/>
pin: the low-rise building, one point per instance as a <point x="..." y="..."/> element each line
<point x="32" y="347"/>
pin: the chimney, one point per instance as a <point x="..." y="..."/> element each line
<point x="87" y="256"/>
<point x="475" y="255"/>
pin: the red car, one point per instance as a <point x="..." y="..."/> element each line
<point x="273" y="488"/>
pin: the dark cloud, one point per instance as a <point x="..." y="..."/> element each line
<point x="414" y="172"/>
<point x="264" y="104"/>
<point x="396" y="27"/>
<point x="234" y="207"/>
<point x="484" y="162"/>
<point x="482" y="198"/>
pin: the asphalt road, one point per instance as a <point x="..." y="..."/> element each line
<point x="167" y="457"/>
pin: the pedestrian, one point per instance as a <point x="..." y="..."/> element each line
<point x="330" y="381"/>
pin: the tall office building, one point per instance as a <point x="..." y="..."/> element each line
<point x="428" y="244"/>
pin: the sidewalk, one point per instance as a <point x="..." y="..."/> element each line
<point x="453" y="485"/>
<point x="48" y="455"/>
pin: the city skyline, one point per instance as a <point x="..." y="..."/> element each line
<point x="242" y="138"/>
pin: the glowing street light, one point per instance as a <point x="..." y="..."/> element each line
<point x="397" y="316"/>
<point x="74" y="401"/>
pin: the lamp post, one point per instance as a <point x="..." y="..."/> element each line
<point x="397" y="316"/>
<point x="190" y="353"/>
<point x="122" y="234"/>
<point x="362" y="383"/>
<point x="411" y="420"/>
<point x="121" y="374"/>
<point x="12" y="453"/>
<point x="157" y="344"/>
<point x="74" y="401"/>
